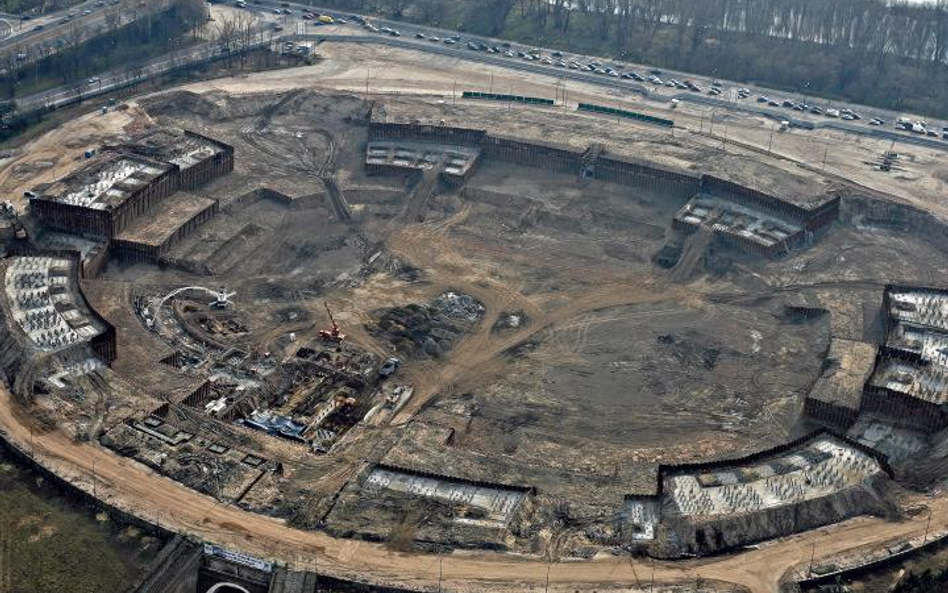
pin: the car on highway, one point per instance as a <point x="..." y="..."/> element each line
<point x="450" y="41"/>
<point x="93" y="80"/>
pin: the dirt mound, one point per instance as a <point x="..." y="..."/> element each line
<point x="692" y="260"/>
<point x="176" y="103"/>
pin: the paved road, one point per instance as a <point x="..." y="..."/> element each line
<point x="27" y="41"/>
<point x="296" y="28"/>
<point x="607" y="82"/>
<point x="729" y="99"/>
<point x="116" y="79"/>
<point x="149" y="495"/>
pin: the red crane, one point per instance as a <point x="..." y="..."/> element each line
<point x="333" y="334"/>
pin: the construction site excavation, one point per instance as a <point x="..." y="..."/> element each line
<point x="432" y="343"/>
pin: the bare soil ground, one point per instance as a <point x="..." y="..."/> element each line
<point x="618" y="365"/>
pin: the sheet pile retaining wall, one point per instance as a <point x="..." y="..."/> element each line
<point x="669" y="470"/>
<point x="210" y="169"/>
<point x="134" y="251"/>
<point x="426" y="133"/>
<point x="837" y="416"/>
<point x="108" y="223"/>
<point x="447" y="478"/>
<point x="104" y="344"/>
<point x="565" y="159"/>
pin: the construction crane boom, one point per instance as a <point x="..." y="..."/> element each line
<point x="332" y="334"/>
<point x="331" y="319"/>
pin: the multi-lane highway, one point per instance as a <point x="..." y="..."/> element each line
<point x="499" y="52"/>
<point x="29" y="40"/>
<point x="429" y="39"/>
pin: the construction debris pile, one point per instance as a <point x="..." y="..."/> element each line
<point x="432" y="330"/>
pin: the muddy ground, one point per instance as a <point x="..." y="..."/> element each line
<point x="615" y="364"/>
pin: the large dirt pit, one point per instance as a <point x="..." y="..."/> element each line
<point x="595" y="344"/>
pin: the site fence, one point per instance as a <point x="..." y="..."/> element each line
<point x="507" y="98"/>
<point x="648" y="119"/>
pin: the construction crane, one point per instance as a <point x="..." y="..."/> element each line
<point x="333" y="334"/>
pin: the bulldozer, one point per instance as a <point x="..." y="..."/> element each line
<point x="332" y="334"/>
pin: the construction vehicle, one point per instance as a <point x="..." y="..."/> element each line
<point x="389" y="367"/>
<point x="332" y="334"/>
<point x="223" y="299"/>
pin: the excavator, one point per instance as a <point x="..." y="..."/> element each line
<point x="333" y="334"/>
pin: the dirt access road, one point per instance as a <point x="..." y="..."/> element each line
<point x="138" y="490"/>
<point x="921" y="177"/>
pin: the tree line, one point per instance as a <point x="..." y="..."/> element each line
<point x="34" y="6"/>
<point x="125" y="40"/>
<point x="886" y="53"/>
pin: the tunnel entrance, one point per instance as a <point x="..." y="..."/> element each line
<point x="227" y="588"/>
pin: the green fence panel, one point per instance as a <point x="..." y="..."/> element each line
<point x="626" y="114"/>
<point x="508" y="98"/>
